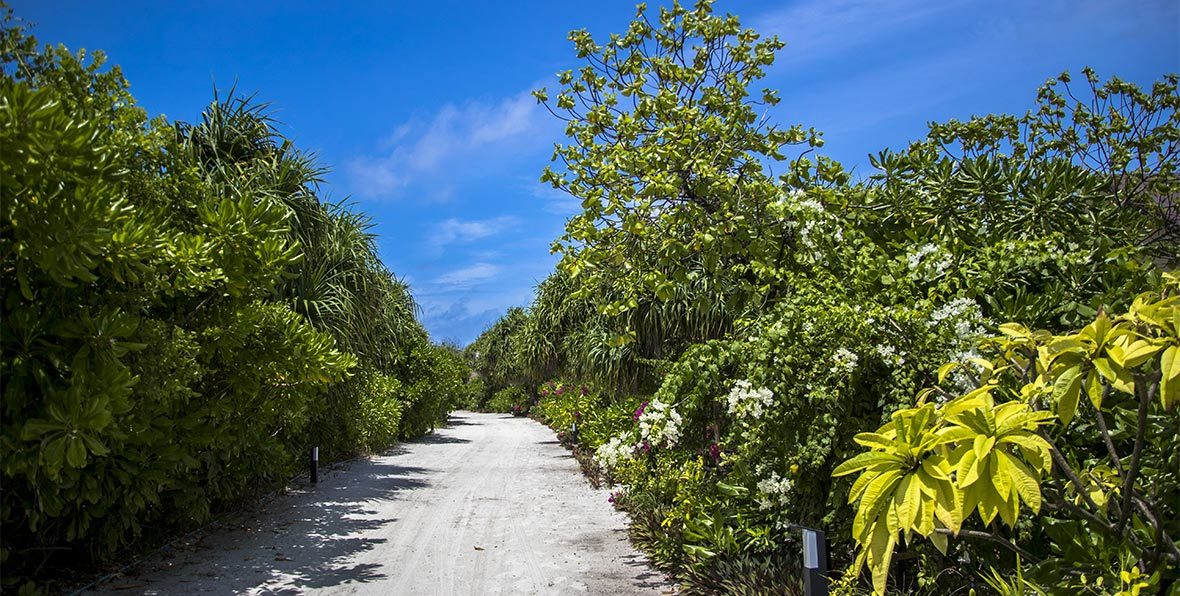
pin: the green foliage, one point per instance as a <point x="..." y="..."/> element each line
<point x="182" y="317"/>
<point x="769" y="322"/>
<point x="472" y="394"/>
<point x="508" y="400"/>
<point x="495" y="355"/>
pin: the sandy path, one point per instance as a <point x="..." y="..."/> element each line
<point x="488" y="505"/>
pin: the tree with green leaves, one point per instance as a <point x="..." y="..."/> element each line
<point x="671" y="158"/>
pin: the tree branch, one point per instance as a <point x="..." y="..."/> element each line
<point x="1025" y="555"/>
<point x="1145" y="399"/>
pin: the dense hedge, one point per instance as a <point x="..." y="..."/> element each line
<point x="743" y="334"/>
<point x="182" y="315"/>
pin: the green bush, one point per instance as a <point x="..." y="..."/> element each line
<point x="181" y="316"/>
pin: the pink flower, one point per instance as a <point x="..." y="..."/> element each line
<point x="645" y="448"/>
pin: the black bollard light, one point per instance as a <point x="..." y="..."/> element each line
<point x="815" y="561"/>
<point x="315" y="465"/>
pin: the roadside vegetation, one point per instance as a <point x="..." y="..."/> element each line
<point x="964" y="367"/>
<point x="184" y="316"/>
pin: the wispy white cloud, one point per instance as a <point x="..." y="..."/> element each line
<point x="457" y="231"/>
<point x="467" y="276"/>
<point x="421" y="147"/>
<point x="818" y="29"/>
<point x="554" y="201"/>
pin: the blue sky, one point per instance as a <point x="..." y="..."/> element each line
<point x="422" y="110"/>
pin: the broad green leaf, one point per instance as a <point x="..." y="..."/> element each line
<point x="946" y="369"/>
<point x="1139" y="352"/>
<point x="939" y="541"/>
<point x="1170" y="363"/>
<point x="1022" y="478"/>
<point x="76" y="452"/>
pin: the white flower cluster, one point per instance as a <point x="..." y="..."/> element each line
<point x="660" y="424"/>
<point x="613" y="452"/>
<point x="810" y="220"/>
<point x="963" y="321"/>
<point x="773" y="491"/>
<point x="747" y="402"/>
<point x="962" y="314"/>
<point x="919" y="262"/>
<point x="1047" y="251"/>
<point x="811" y="205"/>
<point x="890" y="355"/>
<point x="844" y="361"/>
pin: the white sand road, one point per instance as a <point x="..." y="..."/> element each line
<point x="489" y="504"/>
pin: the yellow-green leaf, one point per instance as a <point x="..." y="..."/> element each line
<point x="1094" y="389"/>
<point x="1117" y="376"/>
<point x="880" y="555"/>
<point x="1027" y="486"/>
<point x="946" y="369"/>
<point x="1170" y="377"/>
<point x="1014" y="330"/>
<point x="1139" y="352"/>
<point x="1170" y="363"/>
<point x="1066" y="391"/>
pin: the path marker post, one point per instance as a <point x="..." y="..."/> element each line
<point x="815" y="561"/>
<point x="315" y="465"/>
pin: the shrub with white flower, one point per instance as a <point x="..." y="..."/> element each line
<point x="772" y="491"/>
<point x="659" y="424"/>
<point x="929" y="260"/>
<point x="747" y="402"/>
<point x="812" y="224"/>
<point x="844" y="361"/>
<point x="610" y="454"/>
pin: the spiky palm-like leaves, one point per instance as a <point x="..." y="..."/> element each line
<point x="565" y="333"/>
<point x="340" y="284"/>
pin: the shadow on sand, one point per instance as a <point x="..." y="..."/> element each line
<point x="304" y="540"/>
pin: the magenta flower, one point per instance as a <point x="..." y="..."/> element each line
<point x="715" y="452"/>
<point x="639" y="411"/>
<point x="645" y="448"/>
<point x="560" y="390"/>
<point x="585" y="391"/>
